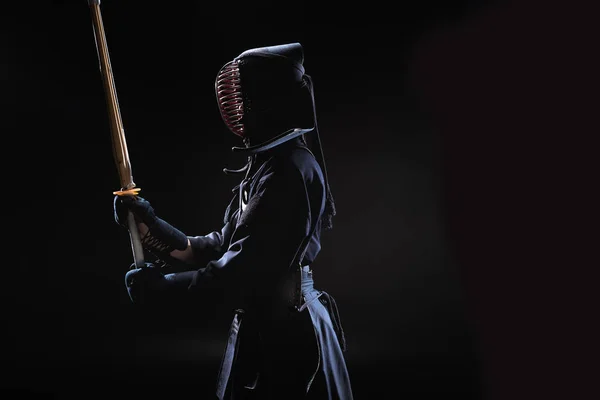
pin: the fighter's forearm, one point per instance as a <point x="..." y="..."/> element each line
<point x="185" y="255"/>
<point x="170" y="244"/>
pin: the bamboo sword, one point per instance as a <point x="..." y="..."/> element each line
<point x="120" y="152"/>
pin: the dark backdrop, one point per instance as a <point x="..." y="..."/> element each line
<point x="437" y="122"/>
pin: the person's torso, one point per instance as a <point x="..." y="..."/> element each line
<point x="313" y="182"/>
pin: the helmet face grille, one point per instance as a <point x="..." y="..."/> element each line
<point x="229" y="97"/>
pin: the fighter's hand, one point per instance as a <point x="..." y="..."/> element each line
<point x="140" y="207"/>
<point x="145" y="284"/>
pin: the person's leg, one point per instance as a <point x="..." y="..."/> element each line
<point x="333" y="373"/>
<point x="291" y="358"/>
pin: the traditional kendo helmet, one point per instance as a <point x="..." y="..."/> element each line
<point x="266" y="98"/>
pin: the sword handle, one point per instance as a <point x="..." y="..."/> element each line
<point x="136" y="241"/>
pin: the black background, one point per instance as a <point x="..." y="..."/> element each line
<point x="458" y="138"/>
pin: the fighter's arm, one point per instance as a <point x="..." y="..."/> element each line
<point x="266" y="238"/>
<point x="186" y="255"/>
<point x="167" y="242"/>
<point x="198" y="248"/>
